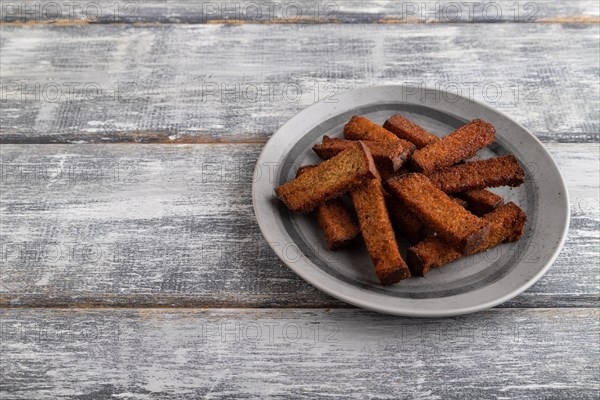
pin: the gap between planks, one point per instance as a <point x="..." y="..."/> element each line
<point x="202" y="307"/>
<point x="386" y="21"/>
<point x="349" y="308"/>
<point x="150" y="138"/>
<point x="149" y="301"/>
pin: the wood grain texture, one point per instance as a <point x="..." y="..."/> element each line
<point x="234" y="353"/>
<point x="296" y="11"/>
<point x="211" y="83"/>
<point x="173" y="225"/>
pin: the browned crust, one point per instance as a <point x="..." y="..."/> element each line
<point x="439" y="212"/>
<point x="361" y="128"/>
<point x="335" y="219"/>
<point x="507" y="224"/>
<point x="329" y="180"/>
<point x="455" y="147"/>
<point x="387" y="156"/>
<point x="518" y="227"/>
<point x="377" y="232"/>
<point x="431" y="252"/>
<point x="481" y="202"/>
<point x="406" y="223"/>
<point x="408" y="130"/>
<point x="493" y="172"/>
<point x="337" y="223"/>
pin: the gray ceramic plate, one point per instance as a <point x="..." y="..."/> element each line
<point x="474" y="283"/>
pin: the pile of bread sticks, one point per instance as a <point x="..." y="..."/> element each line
<point x="404" y="180"/>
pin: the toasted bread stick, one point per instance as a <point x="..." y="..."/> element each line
<point x="329" y="180"/>
<point x="337" y="223"/>
<point x="408" y="130"/>
<point x="406" y="223"/>
<point x="507" y="225"/>
<point x="453" y="148"/>
<point x="387" y="156"/>
<point x="377" y="232"/>
<point x="439" y="212"/>
<point x="493" y="172"/>
<point x="361" y="128"/>
<point x="480" y="202"/>
<point x="335" y="219"/>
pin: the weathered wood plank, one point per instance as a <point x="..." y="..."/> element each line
<point x="173" y="225"/>
<point x="198" y="83"/>
<point x="297" y="11"/>
<point x="234" y="353"/>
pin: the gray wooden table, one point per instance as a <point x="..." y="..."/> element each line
<point x="132" y="266"/>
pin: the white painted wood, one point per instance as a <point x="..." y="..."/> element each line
<point x="298" y="11"/>
<point x="197" y="83"/>
<point x="164" y="225"/>
<point x="173" y="225"/>
<point x="291" y="353"/>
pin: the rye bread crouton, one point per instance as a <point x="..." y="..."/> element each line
<point x="328" y="180"/>
<point x="439" y="212"/>
<point x="408" y="130"/>
<point x="361" y="128"/>
<point x="406" y="223"/>
<point x="507" y="225"/>
<point x="377" y="232"/>
<point x="453" y="148"/>
<point x="480" y="202"/>
<point x="480" y="174"/>
<point x="335" y="219"/>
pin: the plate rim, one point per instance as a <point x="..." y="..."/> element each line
<point x="391" y="309"/>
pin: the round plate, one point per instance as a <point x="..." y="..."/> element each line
<point x="471" y="284"/>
